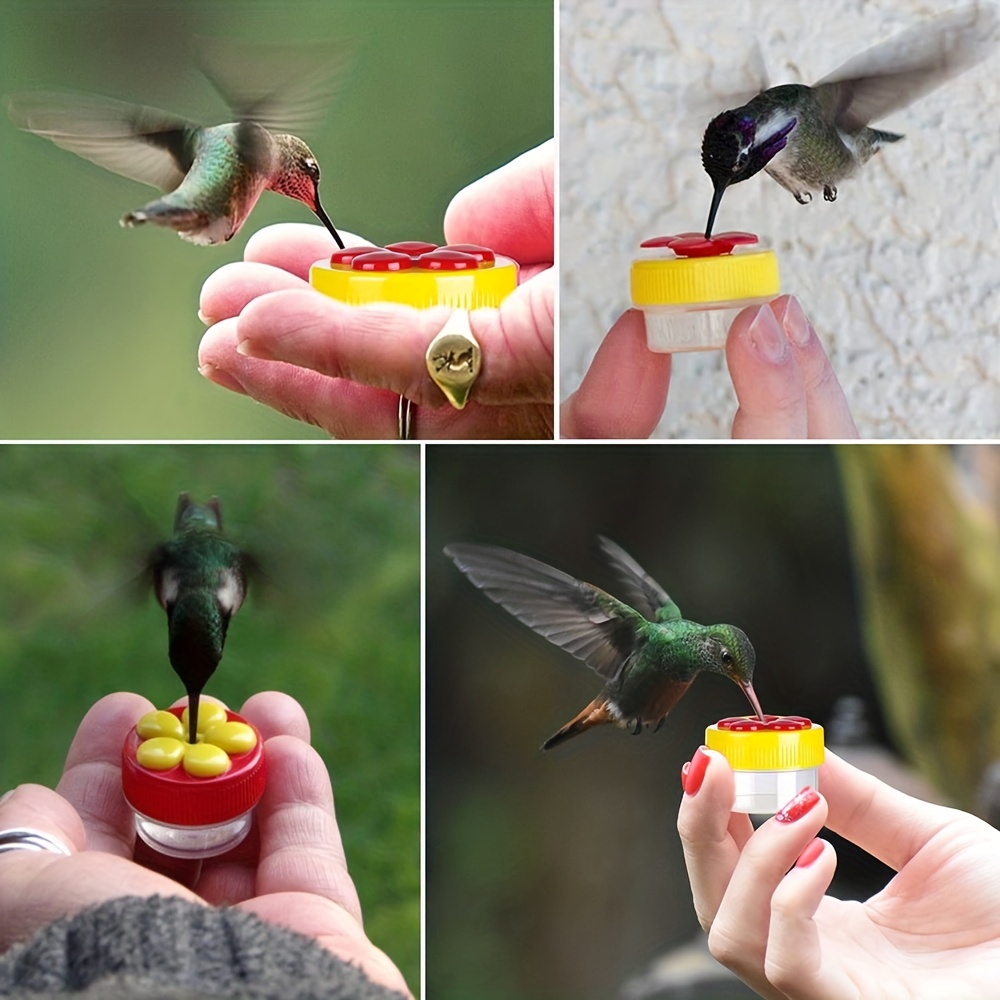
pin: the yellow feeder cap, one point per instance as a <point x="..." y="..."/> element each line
<point x="662" y="281"/>
<point x="415" y="280"/>
<point x="768" y="750"/>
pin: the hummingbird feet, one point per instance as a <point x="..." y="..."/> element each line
<point x="803" y="197"/>
<point x="830" y="193"/>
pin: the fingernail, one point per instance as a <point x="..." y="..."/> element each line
<point x="798" y="806"/>
<point x="684" y="773"/>
<point x="696" y="771"/>
<point x="767" y="337"/>
<point x="796" y="323"/>
<point x="223" y="378"/>
<point x="812" y="851"/>
<point x="254" y="349"/>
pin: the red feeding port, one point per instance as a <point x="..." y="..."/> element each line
<point x="483" y="254"/>
<point x="771" y="723"/>
<point x="695" y="244"/>
<point x="447" y="260"/>
<point x="347" y="255"/>
<point x="412" y="248"/>
<point x="382" y="260"/>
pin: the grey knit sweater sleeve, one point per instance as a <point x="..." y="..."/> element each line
<point x="173" y="949"/>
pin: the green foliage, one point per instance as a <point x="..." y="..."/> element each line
<point x="332" y="619"/>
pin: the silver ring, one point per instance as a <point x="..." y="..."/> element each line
<point x="405" y="419"/>
<point x="20" y="838"/>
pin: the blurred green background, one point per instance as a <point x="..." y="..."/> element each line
<point x="560" y="874"/>
<point x="334" y="620"/>
<point x="98" y="326"/>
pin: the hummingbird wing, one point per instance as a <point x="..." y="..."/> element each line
<point x="582" y="619"/>
<point x="640" y="589"/>
<point x="895" y="73"/>
<point x="285" y="88"/>
<point x="146" y="145"/>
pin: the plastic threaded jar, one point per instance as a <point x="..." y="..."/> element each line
<point x="771" y="760"/>
<point x="193" y="801"/>
<point x="691" y="289"/>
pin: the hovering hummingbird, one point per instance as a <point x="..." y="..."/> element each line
<point x="213" y="175"/>
<point x="647" y="654"/>
<point x="199" y="578"/>
<point x="811" y="138"/>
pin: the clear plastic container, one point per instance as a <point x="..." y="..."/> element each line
<point x="691" y="289"/>
<point x="772" y="760"/>
<point x="193" y="801"/>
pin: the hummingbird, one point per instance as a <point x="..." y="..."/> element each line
<point x="200" y="580"/>
<point x="646" y="652"/>
<point x="212" y="175"/>
<point x="811" y="138"/>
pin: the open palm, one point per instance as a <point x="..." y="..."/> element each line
<point x="290" y="871"/>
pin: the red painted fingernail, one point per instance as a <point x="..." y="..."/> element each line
<point x="696" y="771"/>
<point x="812" y="851"/>
<point x="798" y="806"/>
<point x="684" y="773"/>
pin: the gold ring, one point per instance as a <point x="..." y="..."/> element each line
<point x="454" y="359"/>
<point x="405" y="419"/>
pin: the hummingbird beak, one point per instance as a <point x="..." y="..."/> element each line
<point x="751" y="695"/>
<point x="325" y="219"/>
<point x="720" y="190"/>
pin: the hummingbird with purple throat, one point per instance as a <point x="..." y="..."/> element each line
<point x="647" y="653"/>
<point x="213" y="175"/>
<point x="811" y="138"/>
<point x="200" y="579"/>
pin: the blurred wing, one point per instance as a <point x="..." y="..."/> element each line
<point x="286" y="88"/>
<point x="895" y="73"/>
<point x="582" y="619"/>
<point x="141" y="143"/>
<point x="639" y="588"/>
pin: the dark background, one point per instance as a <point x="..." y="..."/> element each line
<point x="98" y="325"/>
<point x="560" y="874"/>
<point x="333" y="620"/>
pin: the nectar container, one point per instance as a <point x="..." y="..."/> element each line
<point x="772" y="760"/>
<point x="193" y="801"/>
<point x="690" y="289"/>
<point x="416" y="274"/>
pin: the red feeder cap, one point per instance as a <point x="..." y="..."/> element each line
<point x="176" y="797"/>
<point x="695" y="244"/>
<point x="771" y="723"/>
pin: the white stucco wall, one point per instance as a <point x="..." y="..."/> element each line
<point x="900" y="275"/>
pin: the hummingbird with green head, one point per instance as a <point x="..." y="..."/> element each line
<point x="212" y="175"/>
<point x="811" y="138"/>
<point x="647" y="653"/>
<point x="200" y="580"/>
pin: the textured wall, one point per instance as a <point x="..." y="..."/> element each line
<point x="900" y="276"/>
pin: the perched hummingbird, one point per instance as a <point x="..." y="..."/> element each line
<point x="647" y="654"/>
<point x="199" y="577"/>
<point x="213" y="174"/>
<point x="811" y="138"/>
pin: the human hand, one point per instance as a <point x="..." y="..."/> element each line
<point x="290" y="871"/>
<point x="784" y="383"/>
<point x="343" y="368"/>
<point x="932" y="932"/>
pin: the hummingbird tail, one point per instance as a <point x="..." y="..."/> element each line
<point x="595" y="714"/>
